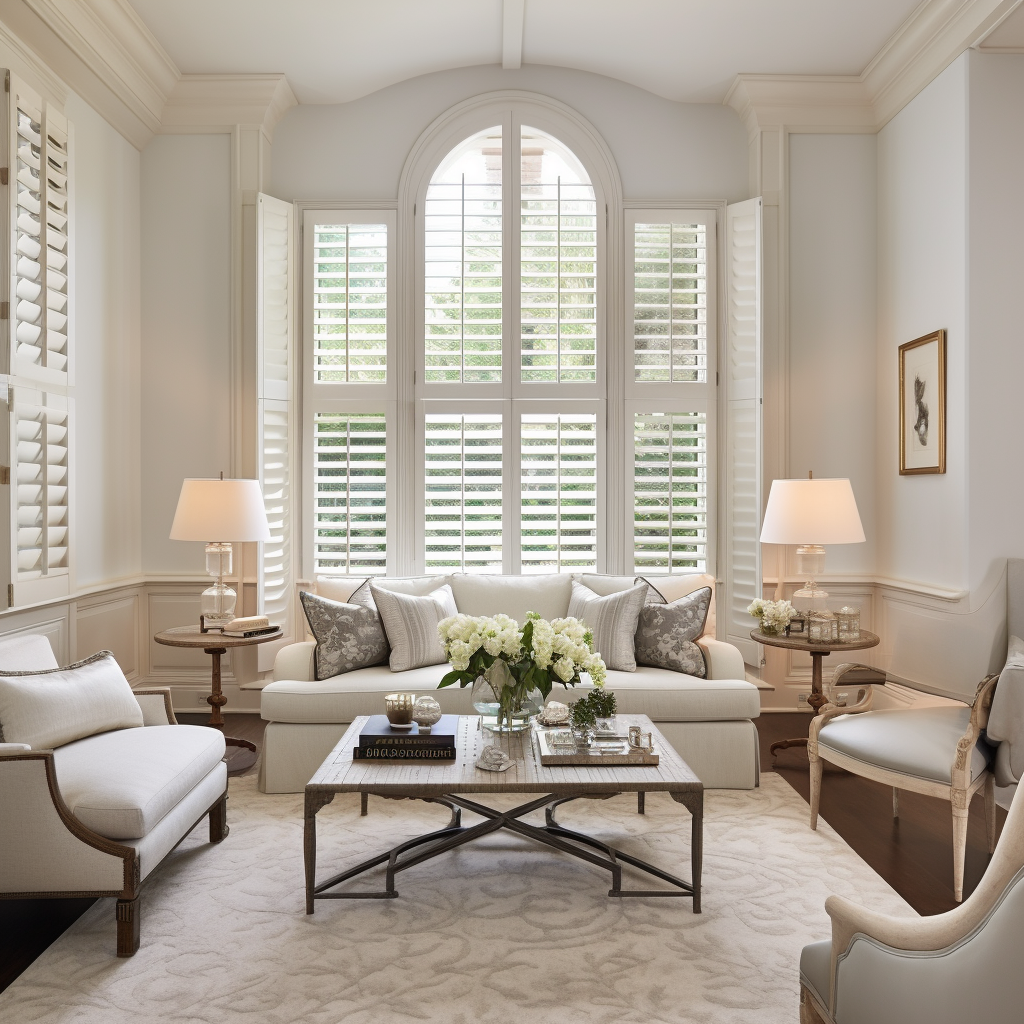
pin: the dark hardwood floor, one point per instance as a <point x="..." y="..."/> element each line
<point x="912" y="853"/>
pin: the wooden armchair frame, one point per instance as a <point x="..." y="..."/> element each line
<point x="958" y="792"/>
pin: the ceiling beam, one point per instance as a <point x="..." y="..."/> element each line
<point x="512" y="17"/>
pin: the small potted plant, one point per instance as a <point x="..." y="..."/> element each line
<point x="583" y="718"/>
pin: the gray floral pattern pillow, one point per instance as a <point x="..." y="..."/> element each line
<point x="348" y="636"/>
<point x="666" y="632"/>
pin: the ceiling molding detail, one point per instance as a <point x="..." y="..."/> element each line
<point x="923" y="46"/>
<point x="32" y="69"/>
<point x="208" y="102"/>
<point x="513" y="13"/>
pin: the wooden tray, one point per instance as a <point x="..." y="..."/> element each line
<point x="604" y="753"/>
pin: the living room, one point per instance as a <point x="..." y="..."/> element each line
<point x="883" y="143"/>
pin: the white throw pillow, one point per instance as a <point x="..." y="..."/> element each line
<point x="514" y="596"/>
<point x="56" y="706"/>
<point x="612" y="619"/>
<point x="410" y="622"/>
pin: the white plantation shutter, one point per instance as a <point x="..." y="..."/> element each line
<point x="670" y="491"/>
<point x="39" y="446"/>
<point x="558" y="516"/>
<point x="276" y="455"/>
<point x="743" y="391"/>
<point x="350" y="493"/>
<point x="463" y="484"/>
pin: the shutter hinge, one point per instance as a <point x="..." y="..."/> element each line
<point x="5" y="474"/>
<point x="716" y="379"/>
<point x="5" y="311"/>
<point x="7" y="81"/>
<point x="414" y="209"/>
<point x="10" y="595"/>
<point x="3" y="175"/>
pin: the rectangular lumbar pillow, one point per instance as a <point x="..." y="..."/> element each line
<point x="410" y="621"/>
<point x="666" y="634"/>
<point x="612" y="619"/>
<point x="348" y="634"/>
<point x="56" y="706"/>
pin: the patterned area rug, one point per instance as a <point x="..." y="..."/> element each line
<point x="499" y="931"/>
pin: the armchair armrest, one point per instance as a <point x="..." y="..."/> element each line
<point x="960" y="773"/>
<point x="723" y="660"/>
<point x="829" y="711"/>
<point x="156" y="706"/>
<point x="296" y="662"/>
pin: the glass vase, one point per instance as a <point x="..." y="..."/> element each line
<point x="503" y="707"/>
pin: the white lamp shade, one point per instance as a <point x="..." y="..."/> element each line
<point x="220" y="510"/>
<point x="811" y="512"/>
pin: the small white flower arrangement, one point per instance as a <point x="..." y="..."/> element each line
<point x="772" y="616"/>
<point x="541" y="653"/>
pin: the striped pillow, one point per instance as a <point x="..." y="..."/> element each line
<point x="411" y="625"/>
<point x="612" y="620"/>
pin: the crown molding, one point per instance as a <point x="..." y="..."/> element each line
<point x="218" y="102"/>
<point x="929" y="40"/>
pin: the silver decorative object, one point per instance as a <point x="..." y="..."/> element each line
<point x="426" y="712"/>
<point x="554" y="714"/>
<point x="494" y="759"/>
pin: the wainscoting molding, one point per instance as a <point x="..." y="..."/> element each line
<point x="122" y="617"/>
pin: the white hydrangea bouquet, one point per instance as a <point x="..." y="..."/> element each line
<point x="772" y="616"/>
<point x="517" y="661"/>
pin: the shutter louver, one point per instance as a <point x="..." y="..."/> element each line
<point x="40" y="481"/>
<point x="350" y="328"/>
<point x="558" y="504"/>
<point x="275" y="455"/>
<point x="350" y="493"/>
<point x="670" y="302"/>
<point x="743" y="422"/>
<point x="670" y="492"/>
<point x="463" y="493"/>
<point x="558" y="269"/>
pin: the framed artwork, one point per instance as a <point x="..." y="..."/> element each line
<point x="923" y="405"/>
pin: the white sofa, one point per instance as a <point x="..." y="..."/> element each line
<point x="708" y="721"/>
<point x="95" y="816"/>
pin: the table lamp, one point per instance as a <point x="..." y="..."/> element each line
<point x="225" y="510"/>
<point x="811" y="513"/>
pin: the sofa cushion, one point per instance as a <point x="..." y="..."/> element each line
<point x="338" y="588"/>
<point x="548" y="596"/>
<point x="344" y="697"/>
<point x="912" y="741"/>
<point x="55" y="706"/>
<point x="612" y="619"/>
<point x="29" y="652"/>
<point x="666" y="696"/>
<point x="348" y="635"/>
<point x="410" y="622"/>
<point x="121" y="784"/>
<point x="666" y="633"/>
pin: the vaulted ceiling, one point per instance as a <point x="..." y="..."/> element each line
<point x="689" y="50"/>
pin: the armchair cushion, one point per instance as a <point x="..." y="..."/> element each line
<point x="917" y="742"/>
<point x="1006" y="718"/>
<point x="815" y="968"/>
<point x="55" y="706"/>
<point x="121" y="784"/>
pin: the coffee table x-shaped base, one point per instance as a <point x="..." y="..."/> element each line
<point x="455" y="834"/>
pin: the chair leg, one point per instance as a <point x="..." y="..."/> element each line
<point x="128" y="927"/>
<point x="808" y="1010"/>
<point x="640" y="799"/>
<point x="219" y="820"/>
<point x="895" y="802"/>
<point x="990" y="812"/>
<point x="959" y="843"/>
<point x="816" y="769"/>
<point x="364" y="804"/>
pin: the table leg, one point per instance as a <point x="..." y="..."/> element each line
<point x="816" y="700"/>
<point x="694" y="803"/>
<point x="245" y="754"/>
<point x="314" y="801"/>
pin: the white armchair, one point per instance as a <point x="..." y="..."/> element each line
<point x="95" y="816"/>
<point x="945" y="969"/>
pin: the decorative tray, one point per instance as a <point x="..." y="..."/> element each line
<point x="555" y="746"/>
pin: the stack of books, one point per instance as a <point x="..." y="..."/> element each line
<point x="378" y="741"/>
<point x="251" y="625"/>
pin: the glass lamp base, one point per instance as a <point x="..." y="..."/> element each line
<point x="217" y="605"/>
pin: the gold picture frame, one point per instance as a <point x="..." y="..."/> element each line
<point x="922" y="400"/>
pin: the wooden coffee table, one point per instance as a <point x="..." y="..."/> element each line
<point x="446" y="784"/>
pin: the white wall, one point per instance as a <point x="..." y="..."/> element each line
<point x="832" y="322"/>
<point x="107" y="331"/>
<point x="186" y="342"/>
<point x="664" y="150"/>
<point x="922" y="267"/>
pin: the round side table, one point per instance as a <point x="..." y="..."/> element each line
<point x="216" y="644"/>
<point x="817" y="650"/>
